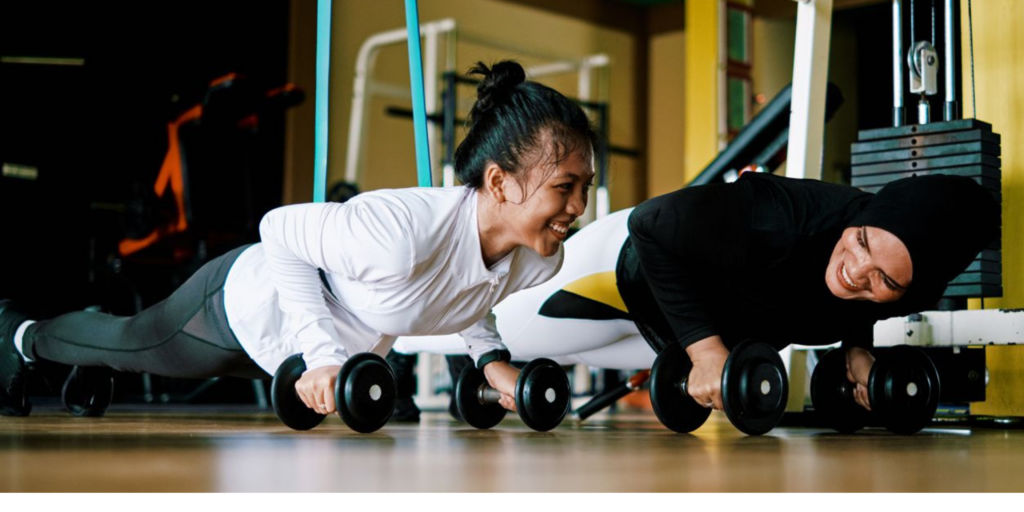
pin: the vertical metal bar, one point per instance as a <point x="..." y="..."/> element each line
<point x="898" y="116"/>
<point x="449" y="111"/>
<point x="602" y="208"/>
<point x="419" y="111"/>
<point x="323" y="75"/>
<point x="951" y="110"/>
<point x="430" y="88"/>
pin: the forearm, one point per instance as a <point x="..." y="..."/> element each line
<point x="288" y="245"/>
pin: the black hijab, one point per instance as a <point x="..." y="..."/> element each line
<point x="944" y="221"/>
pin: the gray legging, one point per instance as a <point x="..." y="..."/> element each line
<point x="186" y="336"/>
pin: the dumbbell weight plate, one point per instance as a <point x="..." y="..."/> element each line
<point x="365" y="392"/>
<point x="87" y="391"/>
<point x="287" y="405"/>
<point x="754" y="387"/>
<point x="904" y="389"/>
<point x="482" y="416"/>
<point x="542" y="394"/>
<point x="676" y="410"/>
<point x="838" y="411"/>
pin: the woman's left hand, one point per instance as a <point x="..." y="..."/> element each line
<point x="502" y="377"/>
<point x="858" y="371"/>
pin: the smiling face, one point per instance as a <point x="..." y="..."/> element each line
<point x="869" y="263"/>
<point x="539" y="209"/>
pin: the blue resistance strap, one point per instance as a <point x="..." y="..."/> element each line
<point x="323" y="67"/>
<point x="419" y="109"/>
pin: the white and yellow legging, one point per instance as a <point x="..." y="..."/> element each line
<point x="577" y="317"/>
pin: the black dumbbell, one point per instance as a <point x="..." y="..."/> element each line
<point x="88" y="390"/>
<point x="364" y="392"/>
<point x="903" y="389"/>
<point x="754" y="389"/>
<point x="541" y="395"/>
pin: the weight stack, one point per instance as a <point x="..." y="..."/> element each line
<point x="964" y="147"/>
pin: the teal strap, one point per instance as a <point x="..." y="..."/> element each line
<point x="323" y="67"/>
<point x="419" y="110"/>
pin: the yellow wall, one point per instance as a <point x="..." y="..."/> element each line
<point x="701" y="104"/>
<point x="666" y="120"/>
<point x="1004" y="395"/>
<point x="390" y="158"/>
<point x="998" y="47"/>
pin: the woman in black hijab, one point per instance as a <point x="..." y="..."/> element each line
<point x="795" y="261"/>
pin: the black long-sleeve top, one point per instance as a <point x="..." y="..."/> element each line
<point x="748" y="260"/>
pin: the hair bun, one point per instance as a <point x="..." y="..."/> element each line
<point x="499" y="80"/>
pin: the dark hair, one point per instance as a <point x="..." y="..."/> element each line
<point x="508" y="121"/>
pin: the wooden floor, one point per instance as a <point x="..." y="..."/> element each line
<point x="208" y="451"/>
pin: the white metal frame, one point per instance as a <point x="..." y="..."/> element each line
<point x="364" y="87"/>
<point x="810" y="80"/>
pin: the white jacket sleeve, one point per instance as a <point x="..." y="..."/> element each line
<point x="484" y="343"/>
<point x="360" y="240"/>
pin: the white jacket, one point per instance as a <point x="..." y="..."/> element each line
<point x="402" y="262"/>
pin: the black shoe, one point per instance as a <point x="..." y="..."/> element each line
<point x="406" y="410"/>
<point x="13" y="370"/>
<point x="404" y="367"/>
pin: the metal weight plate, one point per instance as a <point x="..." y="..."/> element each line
<point x="542" y="394"/>
<point x="366" y="392"/>
<point x="287" y="405"/>
<point x="676" y="410"/>
<point x="87" y="391"/>
<point x="957" y="125"/>
<point x="831" y="394"/>
<point x="754" y="387"/>
<point x="482" y="416"/>
<point x="904" y="389"/>
<point x="896" y="155"/>
<point x="922" y="141"/>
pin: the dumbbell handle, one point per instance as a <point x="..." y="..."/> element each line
<point x="487" y="395"/>
<point x="846" y="388"/>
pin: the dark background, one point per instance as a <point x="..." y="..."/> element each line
<point x="97" y="133"/>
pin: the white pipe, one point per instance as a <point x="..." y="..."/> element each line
<point x="897" y="63"/>
<point x="363" y="86"/>
<point x="430" y="94"/>
<point x="364" y="64"/>
<point x="451" y="39"/>
<point x="950" y="109"/>
<point x="810" y="79"/>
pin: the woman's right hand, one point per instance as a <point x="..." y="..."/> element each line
<point x="502" y="377"/>
<point x="705" y="381"/>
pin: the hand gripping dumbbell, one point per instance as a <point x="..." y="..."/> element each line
<point x="754" y="389"/>
<point x="541" y="395"/>
<point x="364" y="392"/>
<point x="903" y="389"/>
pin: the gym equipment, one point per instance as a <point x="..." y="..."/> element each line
<point x="613" y="395"/>
<point x="832" y="394"/>
<point x="88" y="390"/>
<point x="754" y="389"/>
<point x="963" y="147"/>
<point x="903" y="390"/>
<point x="541" y="395"/>
<point x="364" y="392"/>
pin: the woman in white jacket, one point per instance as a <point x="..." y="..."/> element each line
<point x="332" y="280"/>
